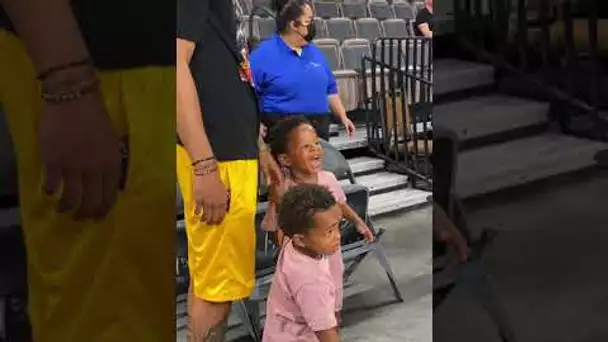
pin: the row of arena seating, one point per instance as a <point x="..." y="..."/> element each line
<point x="353" y="9"/>
<point x="340" y="28"/>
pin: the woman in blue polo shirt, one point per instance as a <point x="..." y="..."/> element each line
<point x="291" y="74"/>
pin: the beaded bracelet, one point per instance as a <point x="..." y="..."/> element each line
<point x="76" y="92"/>
<point x="45" y="74"/>
<point x="205" y="171"/>
<point x="196" y="162"/>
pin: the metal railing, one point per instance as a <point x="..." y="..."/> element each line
<point x="534" y="44"/>
<point x="397" y="99"/>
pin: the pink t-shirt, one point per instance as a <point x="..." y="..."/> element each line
<point x="335" y="262"/>
<point x="302" y="298"/>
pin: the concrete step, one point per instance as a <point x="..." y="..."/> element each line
<point x="481" y="116"/>
<point x="452" y="75"/>
<point x="401" y="199"/>
<point x="344" y="142"/>
<point x="380" y="181"/>
<point x="363" y="165"/>
<point x="518" y="162"/>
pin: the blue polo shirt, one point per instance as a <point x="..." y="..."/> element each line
<point x="289" y="83"/>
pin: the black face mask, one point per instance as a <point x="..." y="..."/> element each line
<point x="312" y="32"/>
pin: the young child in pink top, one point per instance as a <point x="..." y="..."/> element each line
<point x="303" y="295"/>
<point x="296" y="146"/>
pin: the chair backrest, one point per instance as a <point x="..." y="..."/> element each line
<point x="368" y="28"/>
<point x="357" y="197"/>
<point x="340" y="29"/>
<point x="381" y="10"/>
<point x="354" y="10"/>
<point x="353" y="51"/>
<point x="326" y="9"/>
<point x="395" y="28"/>
<point x="246" y="6"/>
<point x="331" y="49"/>
<point x="321" y="28"/>
<point x="266" y="27"/>
<point x="404" y="11"/>
<point x="335" y="162"/>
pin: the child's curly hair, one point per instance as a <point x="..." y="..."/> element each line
<point x="279" y="134"/>
<point x="300" y="204"/>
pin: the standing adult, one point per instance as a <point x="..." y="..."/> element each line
<point x="73" y="86"/>
<point x="423" y="25"/>
<point x="217" y="163"/>
<point x="291" y="74"/>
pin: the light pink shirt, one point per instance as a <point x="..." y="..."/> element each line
<point x="302" y="298"/>
<point x="335" y="264"/>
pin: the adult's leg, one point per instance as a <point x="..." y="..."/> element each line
<point x="321" y="124"/>
<point x="99" y="281"/>
<point x="221" y="258"/>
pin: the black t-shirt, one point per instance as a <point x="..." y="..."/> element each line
<point x="424" y="16"/>
<point x="123" y="34"/>
<point x="229" y="105"/>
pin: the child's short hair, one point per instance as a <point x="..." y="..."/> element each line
<point x="299" y="205"/>
<point x="279" y="134"/>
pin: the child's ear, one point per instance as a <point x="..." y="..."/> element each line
<point x="298" y="240"/>
<point x="284" y="160"/>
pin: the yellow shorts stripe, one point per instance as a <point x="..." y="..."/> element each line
<point x="221" y="258"/>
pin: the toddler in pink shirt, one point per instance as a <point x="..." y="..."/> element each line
<point x="296" y="146"/>
<point x="303" y="295"/>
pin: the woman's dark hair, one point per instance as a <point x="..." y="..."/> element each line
<point x="279" y="134"/>
<point x="300" y="204"/>
<point x="288" y="11"/>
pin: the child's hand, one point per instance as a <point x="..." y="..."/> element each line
<point x="364" y="230"/>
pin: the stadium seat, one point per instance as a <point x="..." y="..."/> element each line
<point x="326" y="9"/>
<point x="246" y="6"/>
<point x="404" y="11"/>
<point x="262" y="3"/>
<point x="331" y="50"/>
<point x="266" y="27"/>
<point x="353" y="51"/>
<point x="368" y="28"/>
<point x="321" y="28"/>
<point x="340" y="29"/>
<point x="354" y="10"/>
<point x="395" y="28"/>
<point x="381" y="10"/>
<point x="335" y="162"/>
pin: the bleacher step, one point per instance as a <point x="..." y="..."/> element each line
<point x="453" y="75"/>
<point x="363" y="165"/>
<point x="489" y="169"/>
<point x="344" y="142"/>
<point x="380" y="181"/>
<point x="483" y="116"/>
<point x="401" y="199"/>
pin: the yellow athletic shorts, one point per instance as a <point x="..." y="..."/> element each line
<point x="221" y="258"/>
<point x="111" y="281"/>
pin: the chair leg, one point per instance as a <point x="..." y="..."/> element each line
<point x="480" y="285"/>
<point x="378" y="251"/>
<point x="244" y="313"/>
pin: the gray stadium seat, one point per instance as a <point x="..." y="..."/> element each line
<point x="246" y="6"/>
<point x="395" y="28"/>
<point x="326" y="9"/>
<point x="321" y="28"/>
<point x="331" y="50"/>
<point x="404" y="11"/>
<point x="381" y="10"/>
<point x="354" y="10"/>
<point x="368" y="28"/>
<point x="340" y="28"/>
<point x="353" y="51"/>
<point x="262" y="3"/>
<point x="266" y="27"/>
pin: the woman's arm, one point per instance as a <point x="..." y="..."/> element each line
<point x="425" y="30"/>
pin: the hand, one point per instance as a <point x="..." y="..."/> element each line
<point x="458" y="249"/>
<point x="81" y="153"/>
<point x="211" y="197"/>
<point x="364" y="230"/>
<point x="270" y="169"/>
<point x="349" y="126"/>
<point x="263" y="130"/>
